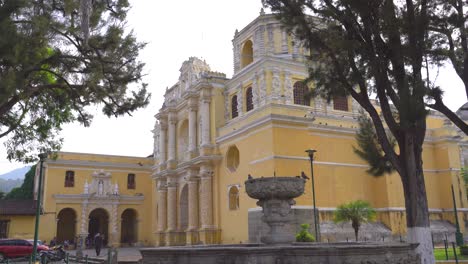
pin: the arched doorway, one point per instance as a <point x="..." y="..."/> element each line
<point x="129" y="228"/>
<point x="66" y="225"/>
<point x="99" y="223"/>
<point x="183" y="207"/>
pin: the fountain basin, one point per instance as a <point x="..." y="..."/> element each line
<point x="282" y="188"/>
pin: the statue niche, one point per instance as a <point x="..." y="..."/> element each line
<point x="101" y="185"/>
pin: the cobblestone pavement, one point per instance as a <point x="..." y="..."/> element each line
<point x="124" y="254"/>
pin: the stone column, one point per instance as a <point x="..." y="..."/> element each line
<point x="114" y="234"/>
<point x="192" y="127"/>
<point x="208" y="230"/>
<point x="284" y="41"/>
<point x="172" y="140"/>
<point x="162" y="142"/>
<point x="192" y="232"/>
<point x="162" y="212"/>
<point x="288" y="88"/>
<point x="206" y="122"/>
<point x="171" y="212"/>
<point x="83" y="229"/>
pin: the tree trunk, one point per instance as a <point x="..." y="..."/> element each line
<point x="417" y="213"/>
<point x="356" y="229"/>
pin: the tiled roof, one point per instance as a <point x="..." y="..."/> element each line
<point x="17" y="207"/>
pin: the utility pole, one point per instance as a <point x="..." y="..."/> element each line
<point x="458" y="233"/>
<point x="42" y="157"/>
<point x="311" y="152"/>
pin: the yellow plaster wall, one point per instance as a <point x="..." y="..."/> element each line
<point x="20" y="226"/>
<point x="55" y="179"/>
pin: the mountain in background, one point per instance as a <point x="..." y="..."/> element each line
<point x="12" y="179"/>
<point x="7" y="185"/>
<point x="15" y="174"/>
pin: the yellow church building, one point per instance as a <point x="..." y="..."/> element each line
<point x="211" y="132"/>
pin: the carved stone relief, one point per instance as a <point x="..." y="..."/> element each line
<point x="261" y="88"/>
<point x="240" y="100"/>
<point x="271" y="43"/>
<point x="288" y="88"/>
<point x="156" y="136"/>
<point x="275" y="85"/>
<point x="255" y="92"/>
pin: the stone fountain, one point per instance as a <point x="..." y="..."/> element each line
<point x="276" y="196"/>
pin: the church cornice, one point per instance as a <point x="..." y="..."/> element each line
<point x="97" y="164"/>
<point x="191" y="164"/>
<point x="90" y="199"/>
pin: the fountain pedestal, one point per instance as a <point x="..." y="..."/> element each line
<point x="276" y="196"/>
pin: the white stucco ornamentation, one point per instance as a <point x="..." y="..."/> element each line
<point x="275" y="84"/>
<point x="255" y="92"/>
<point x="86" y="188"/>
<point x="156" y="137"/>
<point x="271" y="43"/>
<point x="284" y="41"/>
<point x="101" y="185"/>
<point x="227" y="106"/>
<point x="261" y="88"/>
<point x="260" y="40"/>
<point x="240" y="100"/>
<point x="288" y="88"/>
<point x="116" y="189"/>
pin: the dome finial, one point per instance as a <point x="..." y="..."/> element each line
<point x="262" y="12"/>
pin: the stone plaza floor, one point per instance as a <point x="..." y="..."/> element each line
<point x="129" y="254"/>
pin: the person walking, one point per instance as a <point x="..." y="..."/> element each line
<point x="98" y="243"/>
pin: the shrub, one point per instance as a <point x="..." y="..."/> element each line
<point x="464" y="250"/>
<point x="304" y="235"/>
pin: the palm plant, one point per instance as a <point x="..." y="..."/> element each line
<point x="357" y="212"/>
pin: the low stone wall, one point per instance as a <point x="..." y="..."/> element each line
<point x="328" y="253"/>
<point x="331" y="232"/>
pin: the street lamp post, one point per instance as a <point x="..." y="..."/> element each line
<point x="42" y="157"/>
<point x="311" y="152"/>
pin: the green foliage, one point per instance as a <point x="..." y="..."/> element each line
<point x="357" y="212"/>
<point x="53" y="68"/>
<point x="304" y="235"/>
<point x="25" y="191"/>
<point x="2" y="195"/>
<point x="464" y="174"/>
<point x="369" y="148"/>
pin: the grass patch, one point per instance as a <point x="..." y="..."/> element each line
<point x="439" y="254"/>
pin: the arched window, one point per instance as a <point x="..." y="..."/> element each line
<point x="69" y="179"/>
<point x="234" y="112"/>
<point x="131" y="184"/>
<point x="247" y="54"/>
<point x="233" y="198"/>
<point x="249" y="99"/>
<point x="340" y="103"/>
<point x="300" y="91"/>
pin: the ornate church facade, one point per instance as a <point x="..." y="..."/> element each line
<point x="211" y="132"/>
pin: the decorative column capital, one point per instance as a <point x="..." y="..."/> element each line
<point x="206" y="171"/>
<point x="172" y="117"/>
<point x="171" y="183"/>
<point x="163" y="123"/>
<point x="192" y="104"/>
<point x="161" y="185"/>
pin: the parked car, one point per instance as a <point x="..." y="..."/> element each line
<point x="15" y="248"/>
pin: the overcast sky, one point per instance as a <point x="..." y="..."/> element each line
<point x="174" y="31"/>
